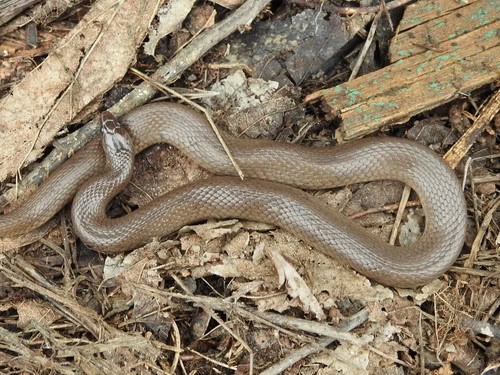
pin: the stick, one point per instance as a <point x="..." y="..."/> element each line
<point x="484" y="115"/>
<point x="322" y="343"/>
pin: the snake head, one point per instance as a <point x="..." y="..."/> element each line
<point x="116" y="138"/>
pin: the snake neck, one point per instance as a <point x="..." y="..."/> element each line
<point x="91" y="202"/>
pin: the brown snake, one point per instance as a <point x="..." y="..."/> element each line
<point x="229" y="197"/>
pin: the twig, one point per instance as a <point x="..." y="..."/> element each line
<point x="26" y="357"/>
<point x="474" y="272"/>
<point x="388" y="207"/>
<point x="216" y="317"/>
<point x="366" y="46"/>
<point x="476" y="245"/>
<point x="43" y="13"/>
<point x="481" y="327"/>
<point x="328" y="333"/>
<point x="494" y="307"/>
<point x="166" y="74"/>
<point x="211" y="360"/>
<point x="168" y="90"/>
<point x="392" y="359"/>
<point x="23" y="274"/>
<point x="289" y="322"/>
<point x="322" y="343"/>
<point x="399" y="215"/>
<point x="373" y="9"/>
<point x="421" y="344"/>
<point x="321" y="329"/>
<point x="177" y="339"/>
<point x="485" y="114"/>
<point x="11" y="8"/>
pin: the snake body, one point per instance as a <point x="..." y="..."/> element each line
<point x="263" y="196"/>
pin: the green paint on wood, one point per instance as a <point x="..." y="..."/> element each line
<point x="383" y="104"/>
<point x="352" y="94"/>
<point x="421" y="67"/>
<point x="431" y="7"/>
<point x="491" y="33"/>
<point x="480" y="17"/>
<point x="414" y="21"/>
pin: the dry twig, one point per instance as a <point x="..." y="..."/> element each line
<point x="373" y="9"/>
<point x="484" y="116"/>
<point x="166" y="90"/>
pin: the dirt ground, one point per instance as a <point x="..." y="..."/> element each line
<point x="234" y="296"/>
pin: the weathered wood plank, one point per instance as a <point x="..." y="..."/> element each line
<point x="425" y="10"/>
<point x="11" y="8"/>
<point x="433" y="32"/>
<point x="424" y="79"/>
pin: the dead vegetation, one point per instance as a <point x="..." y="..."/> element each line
<point x="234" y="296"/>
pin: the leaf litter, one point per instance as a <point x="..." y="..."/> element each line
<point x="140" y="302"/>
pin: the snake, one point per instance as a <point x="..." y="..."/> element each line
<point x="276" y="175"/>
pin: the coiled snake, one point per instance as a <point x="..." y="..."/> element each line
<point x="263" y="196"/>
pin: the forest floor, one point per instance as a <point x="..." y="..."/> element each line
<point x="233" y="296"/>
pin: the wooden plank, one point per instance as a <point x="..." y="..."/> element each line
<point x="11" y="8"/>
<point x="420" y="81"/>
<point x="425" y="10"/>
<point x="433" y="32"/>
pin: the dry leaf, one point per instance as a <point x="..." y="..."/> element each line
<point x="296" y="286"/>
<point x="136" y="267"/>
<point x="241" y="268"/>
<point x="426" y="291"/>
<point x="277" y="303"/>
<point x="213" y="229"/>
<point x="346" y="359"/>
<point x="245" y="288"/>
<point x="236" y="246"/>
<point x="170" y="18"/>
<point x="30" y="311"/>
<point x="86" y="63"/>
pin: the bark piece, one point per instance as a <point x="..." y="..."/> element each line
<point x="170" y="18"/>
<point x="40" y="14"/>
